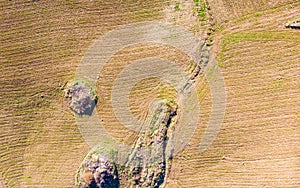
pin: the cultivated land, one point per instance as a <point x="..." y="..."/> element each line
<point x="41" y="44"/>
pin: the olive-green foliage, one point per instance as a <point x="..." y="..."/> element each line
<point x="201" y="9"/>
<point x="177" y="6"/>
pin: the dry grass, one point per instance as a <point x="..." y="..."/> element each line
<point x="225" y="10"/>
<point x="109" y="74"/>
<point x="144" y="92"/>
<point x="41" y="45"/>
<point x="258" y="145"/>
<point x="42" y="42"/>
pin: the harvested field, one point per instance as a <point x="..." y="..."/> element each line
<point x="43" y="42"/>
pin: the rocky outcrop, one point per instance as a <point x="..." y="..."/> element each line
<point x="146" y="164"/>
<point x="147" y="159"/>
<point x="97" y="172"/>
<point x="82" y="99"/>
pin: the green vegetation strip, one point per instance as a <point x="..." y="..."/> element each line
<point x="235" y="38"/>
<point x="259" y="36"/>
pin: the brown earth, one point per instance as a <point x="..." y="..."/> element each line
<point x="42" y="42"/>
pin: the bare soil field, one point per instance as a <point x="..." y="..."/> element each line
<point x="42" y="43"/>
